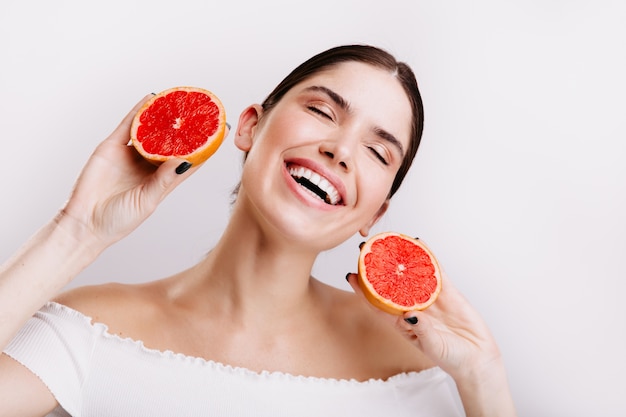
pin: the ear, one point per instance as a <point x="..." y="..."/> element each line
<point x="246" y="128"/>
<point x="365" y="230"/>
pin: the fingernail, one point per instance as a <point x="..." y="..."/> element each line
<point x="411" y="320"/>
<point x="348" y="277"/>
<point x="154" y="94"/>
<point x="183" y="167"/>
<point x="361" y="245"/>
<point x="228" y="125"/>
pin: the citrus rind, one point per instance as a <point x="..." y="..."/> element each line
<point x="199" y="155"/>
<point x="382" y="302"/>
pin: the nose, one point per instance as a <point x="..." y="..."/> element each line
<point x="340" y="153"/>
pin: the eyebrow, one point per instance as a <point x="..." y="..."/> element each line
<point x="340" y="101"/>
<point x="345" y="106"/>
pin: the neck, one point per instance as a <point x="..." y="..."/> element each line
<point x="254" y="272"/>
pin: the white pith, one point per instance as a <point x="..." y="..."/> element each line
<point x="318" y="180"/>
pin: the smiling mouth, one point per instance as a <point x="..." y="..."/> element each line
<point x="315" y="184"/>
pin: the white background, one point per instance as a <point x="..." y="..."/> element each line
<point x="519" y="186"/>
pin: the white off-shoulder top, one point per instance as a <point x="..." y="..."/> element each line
<point x="94" y="373"/>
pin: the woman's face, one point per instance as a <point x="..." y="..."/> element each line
<point x="322" y="161"/>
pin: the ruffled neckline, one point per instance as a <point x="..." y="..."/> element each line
<point x="139" y="348"/>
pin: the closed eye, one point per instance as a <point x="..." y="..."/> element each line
<point x="320" y="112"/>
<point x="378" y="155"/>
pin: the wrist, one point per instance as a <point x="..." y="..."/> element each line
<point x="40" y="268"/>
<point x="485" y="391"/>
<point x="77" y="236"/>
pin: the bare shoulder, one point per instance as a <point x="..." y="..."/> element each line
<point x="124" y="308"/>
<point x="371" y="335"/>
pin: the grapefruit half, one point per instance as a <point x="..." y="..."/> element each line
<point x="398" y="273"/>
<point x="181" y="122"/>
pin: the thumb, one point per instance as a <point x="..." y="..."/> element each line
<point x="420" y="329"/>
<point x="167" y="177"/>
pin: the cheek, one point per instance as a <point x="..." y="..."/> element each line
<point x="374" y="177"/>
<point x="374" y="189"/>
<point x="291" y="128"/>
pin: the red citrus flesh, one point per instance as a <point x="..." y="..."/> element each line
<point x="398" y="273"/>
<point x="181" y="122"/>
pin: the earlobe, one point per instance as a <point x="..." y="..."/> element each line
<point x="365" y="230"/>
<point x="246" y="128"/>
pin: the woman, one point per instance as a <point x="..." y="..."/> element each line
<point x="248" y="331"/>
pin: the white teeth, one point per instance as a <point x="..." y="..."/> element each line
<point x="332" y="195"/>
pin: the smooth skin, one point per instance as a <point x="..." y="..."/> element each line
<point x="238" y="303"/>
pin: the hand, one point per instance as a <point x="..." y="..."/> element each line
<point x="117" y="189"/>
<point x="450" y="332"/>
<point x="454" y="336"/>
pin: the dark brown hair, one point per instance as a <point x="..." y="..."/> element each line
<point x="369" y="55"/>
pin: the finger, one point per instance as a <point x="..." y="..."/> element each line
<point x="421" y="330"/>
<point x="121" y="134"/>
<point x="167" y="177"/>
<point x="378" y="314"/>
<point x="352" y="280"/>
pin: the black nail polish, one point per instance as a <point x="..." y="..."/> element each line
<point x="228" y="125"/>
<point x="347" y="277"/>
<point x="183" y="167"/>
<point x="154" y="94"/>
<point x="361" y="245"/>
<point x="411" y="320"/>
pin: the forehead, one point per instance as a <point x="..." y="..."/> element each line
<point x="372" y="92"/>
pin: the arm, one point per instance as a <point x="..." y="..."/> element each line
<point x="47" y="262"/>
<point x="21" y="392"/>
<point x="114" y="193"/>
<point x="486" y="393"/>
<point x="454" y="336"/>
<point x="52" y="257"/>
